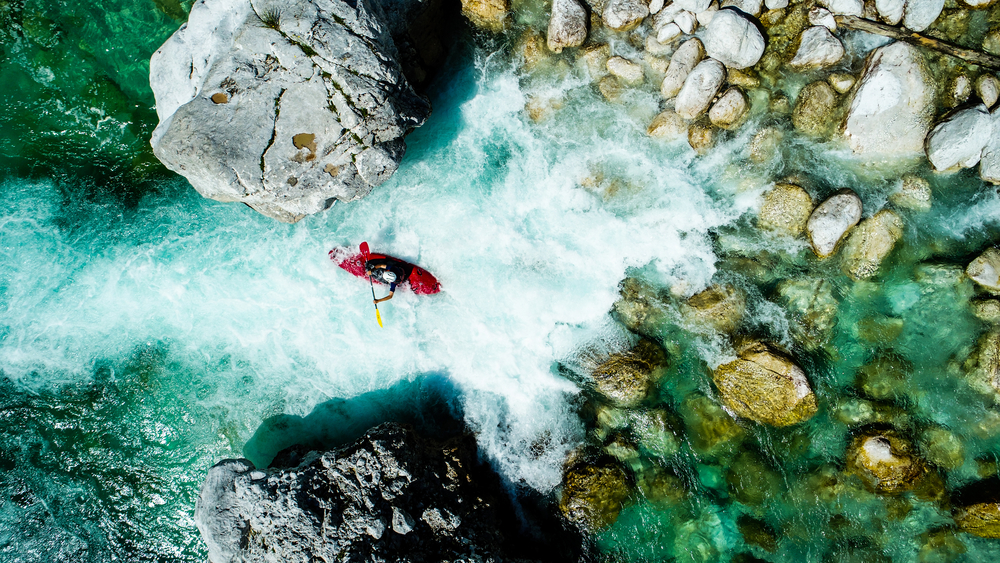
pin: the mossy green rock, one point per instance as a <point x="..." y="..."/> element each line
<point x="751" y="481"/>
<point x="626" y="378"/>
<point x="870" y="243"/>
<point x="816" y="110"/>
<point x="814" y="310"/>
<point x="720" y="307"/>
<point x="594" y="495"/>
<point x="886" y="462"/>
<point x="757" y="533"/>
<point x="641" y="308"/>
<point x="765" y="385"/>
<point x="983" y="365"/>
<point x="981" y="519"/>
<point x="712" y="431"/>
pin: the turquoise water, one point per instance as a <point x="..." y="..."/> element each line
<point x="148" y="333"/>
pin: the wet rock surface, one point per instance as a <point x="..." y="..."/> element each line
<point x="390" y="496"/>
<point x="285" y="108"/>
<point x="885" y="461"/>
<point x="831" y="220"/>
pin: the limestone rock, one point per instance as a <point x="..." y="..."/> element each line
<point x="918" y="16"/>
<point x="699" y="88"/>
<point x="668" y="125"/>
<point x="823" y="17"/>
<point x="844" y="7"/>
<point x="985" y="269"/>
<point x="567" y="25"/>
<point x="729" y="111"/>
<point x="628" y="71"/>
<point x="959" y="140"/>
<point x="491" y="15"/>
<point x="841" y="83"/>
<point x="687" y="56"/>
<point x="786" y="210"/>
<point x="891" y="11"/>
<point x="611" y="88"/>
<point x="595" y="59"/>
<point x="870" y="243"/>
<point x="626" y="378"/>
<point x="397" y="504"/>
<point x="686" y="22"/>
<point x="766" y="386"/>
<point x="701" y="137"/>
<point x="989" y="164"/>
<point x="733" y="39"/>
<point x="288" y="115"/>
<point x="625" y="15"/>
<point x="893" y="105"/>
<point x="914" y="193"/>
<point x="815" y="109"/>
<point x="813" y="309"/>
<point x="668" y="33"/>
<point x="831" y="220"/>
<point x="960" y="88"/>
<point x="720" y="307"/>
<point x="817" y="49"/>
<point x="988" y="89"/>
<point x="751" y="7"/>
<point x="693" y="5"/>
<point x="594" y="494"/>
<point x="885" y="461"/>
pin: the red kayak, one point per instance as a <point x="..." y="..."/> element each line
<point x="420" y="280"/>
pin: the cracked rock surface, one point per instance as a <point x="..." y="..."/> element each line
<point x="389" y="496"/>
<point x="285" y="106"/>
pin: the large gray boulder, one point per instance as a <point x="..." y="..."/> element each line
<point x="817" y="49"/>
<point x="893" y="104"/>
<point x="733" y="39"/>
<point x="699" y="88"/>
<point x="958" y="141"/>
<point x="624" y="15"/>
<point x="285" y="107"/>
<point x="390" y="496"/>
<point x="920" y="14"/>
<point x="831" y="220"/>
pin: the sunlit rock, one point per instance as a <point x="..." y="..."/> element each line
<point x="959" y="140"/>
<point x="765" y="385"/>
<point x="988" y="89"/>
<point x="893" y="105"/>
<point x="766" y="145"/>
<point x="977" y="509"/>
<point x="989" y="165"/>
<point x="625" y="15"/>
<point x="841" y="83"/>
<point x="823" y="17"/>
<point x="786" y="210"/>
<point x="775" y="4"/>
<point x="890" y="11"/>
<point x="720" y="307"/>
<point x="686" y="22"/>
<point x="626" y="378"/>
<point x="567" y="25"/>
<point x="654" y="47"/>
<point x="641" y="308"/>
<point x="886" y="462"/>
<point x="623" y="448"/>
<point x="814" y="310"/>
<point x="991" y="43"/>
<point x="959" y="90"/>
<point x="701" y="137"/>
<point x="844" y="7"/>
<point x="730" y="110"/>
<point x="815" y="109"/>
<point x="655" y="6"/>
<point x="668" y="125"/>
<point x="919" y="15"/>
<point x="986" y="310"/>
<point x="985" y="269"/>
<point x="831" y="220"/>
<point x="668" y="33"/>
<point x="628" y="71"/>
<point x="687" y="56"/>
<point x="983" y="365"/>
<point x="491" y="15"/>
<point x="699" y="88"/>
<point x="540" y="108"/>
<point x="942" y="447"/>
<point x="870" y="243"/>
<point x="733" y="39"/>
<point x="705" y="16"/>
<point x="818" y="49"/>
<point x="712" y="430"/>
<point x="288" y="115"/>
<point x="594" y="494"/>
<point x="531" y="45"/>
<point x="595" y="59"/>
<point x="914" y="193"/>
<point x="751" y="7"/>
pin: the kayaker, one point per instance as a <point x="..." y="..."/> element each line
<point x="388" y="272"/>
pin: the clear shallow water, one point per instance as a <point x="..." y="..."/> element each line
<point x="147" y="332"/>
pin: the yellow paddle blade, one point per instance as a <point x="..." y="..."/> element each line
<point x="379" y="317"/>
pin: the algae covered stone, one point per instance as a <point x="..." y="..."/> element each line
<point x="627" y="377"/>
<point x="870" y="243"/>
<point x="983" y="365"/>
<point x="712" y="430"/>
<point x="594" y="494"/>
<point x="813" y="307"/>
<point x="720" y="307"/>
<point x="981" y="519"/>
<point x="885" y="461"/>
<point x="490" y="15"/>
<point x="786" y="210"/>
<point x="763" y="384"/>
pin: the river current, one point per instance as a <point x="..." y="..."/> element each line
<point x="146" y="333"/>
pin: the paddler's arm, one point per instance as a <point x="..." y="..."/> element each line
<point x="386" y="298"/>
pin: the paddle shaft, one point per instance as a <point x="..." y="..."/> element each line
<point x="364" y="253"/>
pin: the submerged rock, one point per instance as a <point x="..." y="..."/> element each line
<point x="733" y="39"/>
<point x="914" y="193"/>
<point x="628" y="71"/>
<point x="750" y="480"/>
<point x="786" y="210"/>
<point x="893" y="104"/>
<point x="626" y="378"/>
<point x="567" y="25"/>
<point x="813" y="308"/>
<point x="815" y="109"/>
<point x="831" y="220"/>
<point x="983" y="365"/>
<point x="978" y="509"/>
<point x="989" y="165"/>
<point x="712" y="430"/>
<point x="959" y="140"/>
<point x="594" y="494"/>
<point x="765" y="385"/>
<point x="942" y="448"/>
<point x="390" y="496"/>
<point x="985" y="269"/>
<point x="286" y="111"/>
<point x="870" y="243"/>
<point x="885" y="461"/>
